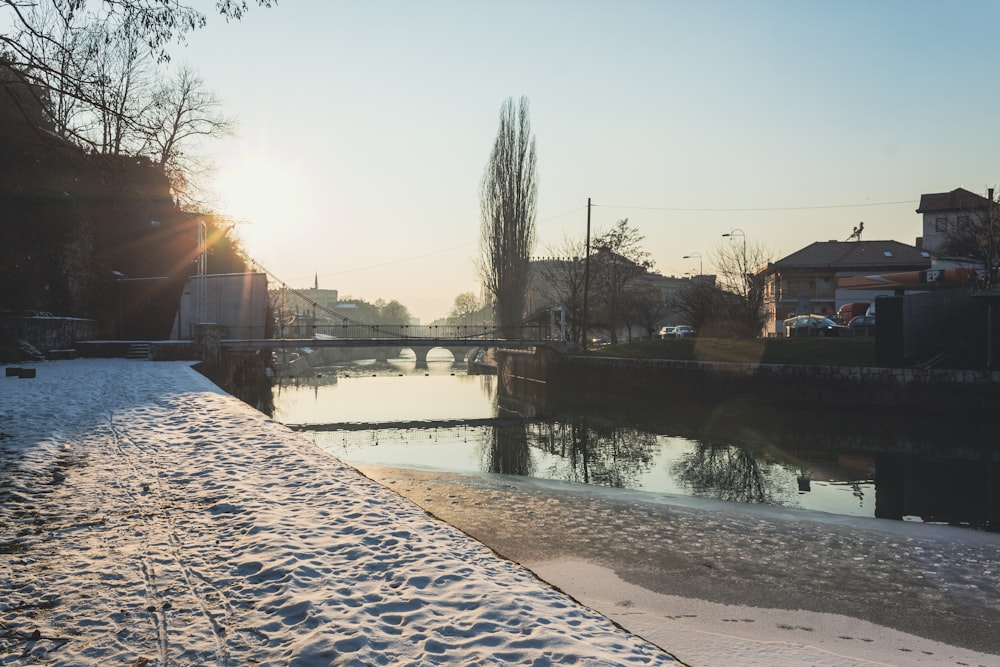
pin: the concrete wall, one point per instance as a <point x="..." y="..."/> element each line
<point x="48" y="333"/>
<point x="235" y="301"/>
<point x="855" y="388"/>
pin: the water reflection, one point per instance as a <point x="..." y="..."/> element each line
<point x="725" y="472"/>
<point x="737" y="451"/>
<point x="508" y="452"/>
<point x="593" y="451"/>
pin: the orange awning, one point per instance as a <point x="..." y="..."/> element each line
<point x="922" y="280"/>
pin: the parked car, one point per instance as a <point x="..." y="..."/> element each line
<point x="813" y="325"/>
<point x="683" y="331"/>
<point x="849" y="311"/>
<point x="862" y="325"/>
<point x="680" y="331"/>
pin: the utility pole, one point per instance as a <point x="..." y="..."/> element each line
<point x="586" y="278"/>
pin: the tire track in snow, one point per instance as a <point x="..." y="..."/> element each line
<point x="175" y="550"/>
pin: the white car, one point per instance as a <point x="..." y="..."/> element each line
<point x="680" y="331"/>
<point x="683" y="331"/>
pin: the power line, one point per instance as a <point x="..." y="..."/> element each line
<point x="399" y="261"/>
<point x="764" y="209"/>
<point x="575" y="210"/>
<point x="440" y="251"/>
<point x="431" y="253"/>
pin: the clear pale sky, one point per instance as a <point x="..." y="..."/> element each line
<point x="364" y="127"/>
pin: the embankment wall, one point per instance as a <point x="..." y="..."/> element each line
<point x="48" y="333"/>
<point x="858" y="388"/>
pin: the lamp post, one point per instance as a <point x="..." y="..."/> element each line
<point x="700" y="265"/>
<point x="743" y="269"/>
<point x="734" y="232"/>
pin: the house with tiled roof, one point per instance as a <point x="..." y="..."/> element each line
<point x="807" y="280"/>
<point x="943" y="211"/>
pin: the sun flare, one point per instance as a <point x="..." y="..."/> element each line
<point x="262" y="195"/>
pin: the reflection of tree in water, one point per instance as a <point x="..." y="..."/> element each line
<point x="614" y="456"/>
<point x="507" y="449"/>
<point x="726" y="472"/>
<point x="486" y="385"/>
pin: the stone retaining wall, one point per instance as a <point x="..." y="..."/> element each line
<point x="860" y="388"/>
<point x="48" y="333"/>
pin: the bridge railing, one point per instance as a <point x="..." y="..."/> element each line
<point x="447" y="332"/>
<point x="450" y="332"/>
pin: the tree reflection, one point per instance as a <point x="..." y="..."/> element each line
<point x="508" y="452"/>
<point x="725" y="472"/>
<point x="596" y="453"/>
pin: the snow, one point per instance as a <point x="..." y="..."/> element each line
<point x="148" y="518"/>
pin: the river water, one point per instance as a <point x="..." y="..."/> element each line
<point x="441" y="418"/>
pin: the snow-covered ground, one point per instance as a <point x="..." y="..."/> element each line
<point x="147" y="518"/>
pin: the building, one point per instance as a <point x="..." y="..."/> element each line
<point x="302" y="302"/>
<point x="236" y="302"/>
<point x="948" y="210"/>
<point x="807" y="280"/>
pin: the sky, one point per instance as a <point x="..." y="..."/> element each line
<point x="364" y="128"/>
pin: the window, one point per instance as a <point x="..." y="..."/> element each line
<point x="941" y="224"/>
<point x="800" y="285"/>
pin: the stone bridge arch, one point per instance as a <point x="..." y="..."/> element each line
<point x="458" y="352"/>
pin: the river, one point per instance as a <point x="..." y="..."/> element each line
<point x="441" y="418"/>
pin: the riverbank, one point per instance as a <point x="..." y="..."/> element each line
<point x="149" y="518"/>
<point x="725" y="584"/>
<point x="545" y="374"/>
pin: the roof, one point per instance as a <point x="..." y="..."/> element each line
<point x="855" y="255"/>
<point x="958" y="199"/>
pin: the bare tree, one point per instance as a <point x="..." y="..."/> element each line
<point x="182" y="111"/>
<point x="155" y="22"/>
<point x="62" y="45"/>
<point x="80" y="58"/>
<point x="737" y="264"/>
<point x="508" y="196"/>
<point x="713" y="311"/>
<point x="644" y="307"/>
<point x="620" y="260"/>
<point x="119" y="91"/>
<point x="562" y="282"/>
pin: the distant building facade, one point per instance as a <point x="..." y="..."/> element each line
<point x="551" y="284"/>
<point x="806" y="281"/>
<point x="302" y="301"/>
<point x="945" y="211"/>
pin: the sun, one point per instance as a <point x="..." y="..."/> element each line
<point x="261" y="194"/>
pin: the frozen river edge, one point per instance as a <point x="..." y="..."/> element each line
<point x="728" y="583"/>
<point x="149" y="518"/>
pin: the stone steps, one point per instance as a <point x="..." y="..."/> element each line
<point x="138" y="351"/>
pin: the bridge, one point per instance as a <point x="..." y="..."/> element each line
<point x="388" y="339"/>
<point x="458" y="347"/>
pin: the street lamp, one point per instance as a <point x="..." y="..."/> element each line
<point x="700" y="265"/>
<point x="734" y="232"/>
<point x="743" y="269"/>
